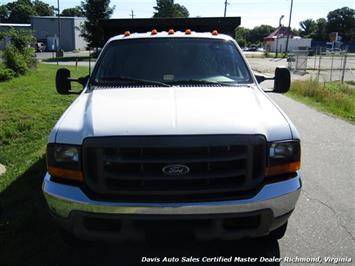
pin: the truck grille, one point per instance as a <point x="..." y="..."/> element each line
<point x="131" y="168"/>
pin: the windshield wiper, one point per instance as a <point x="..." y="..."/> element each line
<point x="140" y="81"/>
<point x="202" y="81"/>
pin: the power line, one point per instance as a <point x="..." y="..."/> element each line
<point x="132" y="14"/>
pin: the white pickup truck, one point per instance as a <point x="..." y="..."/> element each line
<point x="172" y="132"/>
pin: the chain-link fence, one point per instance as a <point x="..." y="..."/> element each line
<point x="324" y="65"/>
<point x="297" y="61"/>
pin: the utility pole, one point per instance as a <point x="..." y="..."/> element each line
<point x="289" y="28"/>
<point x="58" y="44"/>
<point x="132" y="14"/>
<point x="225" y="7"/>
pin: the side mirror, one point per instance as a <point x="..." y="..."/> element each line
<point x="63" y="79"/>
<point x="282" y="80"/>
<point x="62" y="82"/>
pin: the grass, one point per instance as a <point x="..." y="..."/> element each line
<point x="29" y="108"/>
<point x="333" y="97"/>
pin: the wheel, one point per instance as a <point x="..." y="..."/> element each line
<point x="278" y="233"/>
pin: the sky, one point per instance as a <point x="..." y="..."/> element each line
<point x="252" y="12"/>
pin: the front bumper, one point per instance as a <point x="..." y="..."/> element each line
<point x="274" y="203"/>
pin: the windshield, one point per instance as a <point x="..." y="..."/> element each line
<point x="171" y="60"/>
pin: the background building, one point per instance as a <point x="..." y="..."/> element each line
<point x="277" y="41"/>
<point x="45" y="29"/>
<point x="295" y="43"/>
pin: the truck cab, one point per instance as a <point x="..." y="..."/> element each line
<point x="172" y="132"/>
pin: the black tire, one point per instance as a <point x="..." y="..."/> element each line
<point x="278" y="233"/>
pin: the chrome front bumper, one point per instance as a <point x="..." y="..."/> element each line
<point x="279" y="197"/>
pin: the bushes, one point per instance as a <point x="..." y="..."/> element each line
<point x="18" y="55"/>
<point x="6" y="73"/>
<point x="14" y="60"/>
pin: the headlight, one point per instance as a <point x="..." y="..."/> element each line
<point x="66" y="154"/>
<point x="64" y="161"/>
<point x="283" y="157"/>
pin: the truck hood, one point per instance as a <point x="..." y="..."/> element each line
<point x="171" y="111"/>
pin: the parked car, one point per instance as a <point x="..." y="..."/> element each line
<point x="172" y="133"/>
<point x="252" y="48"/>
<point x="40" y="47"/>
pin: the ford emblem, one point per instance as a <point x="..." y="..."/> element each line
<point x="176" y="169"/>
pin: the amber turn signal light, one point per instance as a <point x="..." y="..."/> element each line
<point x="66" y="174"/>
<point x="282" y="169"/>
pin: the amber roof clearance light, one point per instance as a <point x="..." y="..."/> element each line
<point x="215" y="33"/>
<point x="188" y="32"/>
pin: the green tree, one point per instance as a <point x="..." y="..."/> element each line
<point x="43" y="9"/>
<point x="4" y="13"/>
<point x="241" y="36"/>
<point x="169" y="9"/>
<point x="321" y="30"/>
<point x="72" y="12"/>
<point x="308" y="28"/>
<point x="94" y="11"/>
<point x="342" y="20"/>
<point x="20" y="11"/>
<point x="258" y="33"/>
